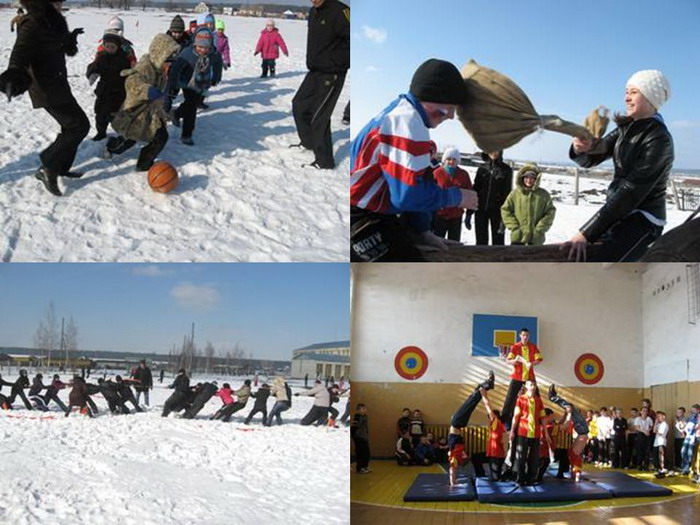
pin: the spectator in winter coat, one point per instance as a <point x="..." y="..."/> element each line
<point x="528" y="211"/>
<point x="328" y="60"/>
<point x="78" y="397"/>
<point x="181" y="396"/>
<point x="448" y="221"/>
<point x="319" y="411"/>
<point x="260" y="403"/>
<point x="196" y="69"/>
<point x="388" y="179"/>
<point x="178" y="33"/>
<point x="142" y="117"/>
<point x="359" y="430"/>
<point x="268" y="46"/>
<point x="116" y="27"/>
<point x="493" y="183"/>
<point x="221" y="43"/>
<point x="145" y="381"/>
<point x="17" y="19"/>
<point x="52" y="392"/>
<point x="641" y="147"/>
<point x="38" y="64"/>
<point x="243" y="394"/>
<point x="110" y="91"/>
<point x="35" y="393"/>
<point x="280" y="389"/>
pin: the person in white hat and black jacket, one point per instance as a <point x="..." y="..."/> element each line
<point x="641" y="147"/>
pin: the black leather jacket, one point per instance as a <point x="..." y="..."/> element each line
<point x="493" y="183"/>
<point x="642" y="153"/>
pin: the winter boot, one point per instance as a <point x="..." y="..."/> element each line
<point x="99" y="136"/>
<point x="272" y="71"/>
<point x="489" y="383"/>
<point x="72" y="174"/>
<point x="187" y="141"/>
<point x="49" y="179"/>
<point x="177" y="121"/>
<point x="552" y="393"/>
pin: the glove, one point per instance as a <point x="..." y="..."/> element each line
<point x="154" y="93"/>
<point x="71" y="45"/>
<point x="167" y="104"/>
<point x="93" y="78"/>
<point x="470" y="200"/>
<point x="14" y="82"/>
<point x="468" y="222"/>
<point x="429" y="242"/>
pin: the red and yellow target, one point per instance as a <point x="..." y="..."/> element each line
<point x="411" y="362"/>
<point x="589" y="369"/>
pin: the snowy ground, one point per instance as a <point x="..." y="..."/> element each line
<point x="570" y="217"/>
<point x="145" y="469"/>
<point x="243" y="195"/>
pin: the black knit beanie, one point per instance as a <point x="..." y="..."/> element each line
<point x="178" y="24"/>
<point x="438" y="81"/>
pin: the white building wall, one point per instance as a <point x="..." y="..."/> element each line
<point x="580" y="308"/>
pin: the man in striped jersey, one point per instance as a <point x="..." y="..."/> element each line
<point x="391" y="173"/>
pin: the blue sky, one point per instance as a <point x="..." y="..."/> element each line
<point x="268" y="309"/>
<point x="569" y="57"/>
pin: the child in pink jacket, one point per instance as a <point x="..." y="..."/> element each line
<point x="226" y="395"/>
<point x="269" y="44"/>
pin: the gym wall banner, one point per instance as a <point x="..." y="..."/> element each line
<point x="411" y="362"/>
<point x="490" y="332"/>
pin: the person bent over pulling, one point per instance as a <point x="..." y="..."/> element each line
<point x="460" y="419"/>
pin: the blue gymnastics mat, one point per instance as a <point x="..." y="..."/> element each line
<point x="436" y="487"/>
<point x="622" y="485"/>
<point x="549" y="490"/>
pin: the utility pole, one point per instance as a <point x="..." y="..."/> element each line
<point x="63" y="341"/>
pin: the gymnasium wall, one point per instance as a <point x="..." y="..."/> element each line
<point x="671" y="342"/>
<point x="580" y="309"/>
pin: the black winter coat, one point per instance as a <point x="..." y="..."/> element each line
<point x="37" y="387"/>
<point x="110" y="89"/>
<point x="493" y="183"/>
<point x="328" y="39"/>
<point x="181" y="384"/>
<point x="642" y="153"/>
<point x="261" y="397"/>
<point x="43" y="41"/>
<point x="19" y="385"/>
<point x="144" y="378"/>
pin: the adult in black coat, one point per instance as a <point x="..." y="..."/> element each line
<point x="642" y="152"/>
<point x="127" y="394"/>
<point x="145" y="381"/>
<point x="110" y="89"/>
<point x="260" y="403"/>
<point x="203" y="393"/>
<point x="38" y="64"/>
<point x="181" y="397"/>
<point x="328" y="60"/>
<point x="110" y="391"/>
<point x="18" y="387"/>
<point x="492" y="183"/>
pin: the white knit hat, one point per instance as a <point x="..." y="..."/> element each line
<point x="653" y="85"/>
<point x="115" y="25"/>
<point x="450" y="153"/>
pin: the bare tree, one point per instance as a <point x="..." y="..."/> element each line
<point x="46" y="337"/>
<point x="70" y="339"/>
<point x="209" y="352"/>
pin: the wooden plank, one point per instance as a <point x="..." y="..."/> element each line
<point x="545" y="253"/>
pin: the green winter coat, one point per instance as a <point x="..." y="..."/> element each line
<point x="140" y="118"/>
<point x="528" y="213"/>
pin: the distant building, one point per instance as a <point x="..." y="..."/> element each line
<point x="322" y="360"/>
<point x="202" y="8"/>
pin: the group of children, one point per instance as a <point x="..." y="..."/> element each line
<point x="137" y="97"/>
<point x="527" y="210"/>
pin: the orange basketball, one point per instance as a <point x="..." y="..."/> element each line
<point x="162" y="177"/>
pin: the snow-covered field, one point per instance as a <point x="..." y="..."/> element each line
<point x="243" y="195"/>
<point x="145" y="469"/>
<point x="570" y="217"/>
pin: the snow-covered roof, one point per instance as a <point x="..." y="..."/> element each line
<point x="322" y="346"/>
<point x="325" y="357"/>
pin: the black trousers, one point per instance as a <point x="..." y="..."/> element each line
<point x="48" y="398"/>
<point x="102" y="120"/>
<point x="677" y="457"/>
<point x="580" y="424"/>
<point x="460" y="419"/>
<point x="628" y="240"/>
<point x="262" y="410"/>
<point x="451" y="227"/>
<point x="316" y="415"/>
<point x="632" y="458"/>
<point x="542" y="469"/>
<point x="20" y="393"/>
<point x="268" y="64"/>
<point x="619" y="452"/>
<point x="59" y="156"/>
<point x="312" y="107"/>
<point x="643" y="450"/>
<point x="376" y="237"/>
<point x="187" y="111"/>
<point x="148" y="154"/>
<point x="562" y="456"/>
<point x="509" y="402"/>
<point x="227" y="411"/>
<point x="361" y="453"/>
<point x="495" y="468"/>
<point x="482" y="221"/>
<point x="527" y="458"/>
<point x="346" y="112"/>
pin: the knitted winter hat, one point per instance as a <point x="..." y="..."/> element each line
<point x="653" y="85"/>
<point x="438" y="81"/>
<point x="113" y="38"/>
<point x="115" y="25"/>
<point x="203" y="37"/>
<point x="220" y="25"/>
<point x="209" y="19"/>
<point x="177" y="24"/>
<point x="205" y="18"/>
<point x="450" y="153"/>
